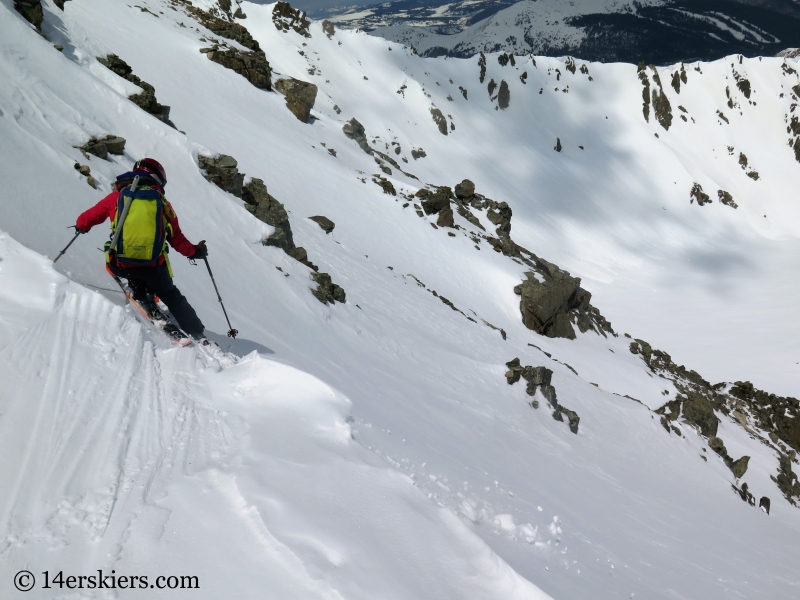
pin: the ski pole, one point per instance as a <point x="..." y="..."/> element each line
<point x="60" y="254"/>
<point x="232" y="333"/>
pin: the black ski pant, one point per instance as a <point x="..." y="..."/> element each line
<point x="158" y="281"/>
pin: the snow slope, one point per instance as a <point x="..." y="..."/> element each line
<point x="170" y="461"/>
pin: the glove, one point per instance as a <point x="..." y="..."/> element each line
<point x="200" y="252"/>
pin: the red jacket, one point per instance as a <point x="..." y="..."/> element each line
<point x="107" y="209"/>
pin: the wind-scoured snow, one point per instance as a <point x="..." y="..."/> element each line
<point x="373" y="448"/>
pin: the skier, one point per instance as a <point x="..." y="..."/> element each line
<point x="140" y="252"/>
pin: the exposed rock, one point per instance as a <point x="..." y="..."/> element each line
<point x="385" y="185"/>
<point x="446" y="218"/>
<point x="300" y="255"/>
<point x="439" y="119"/>
<point x="482" y="65"/>
<point x="539" y="378"/>
<point x="437" y="201"/>
<point x="102" y="147"/>
<point x="698" y="194"/>
<point x="32" y="11"/>
<point x="558" y="146"/>
<point x="726" y="199"/>
<point x="327" y="291"/>
<point x="59" y="3"/>
<point x="253" y="66"/>
<point x="500" y="215"/>
<point x="642" y="74"/>
<point x="491" y="88"/>
<point x="224" y="27"/>
<point x="328" y="28"/>
<point x="267" y="209"/>
<point x="300" y="96"/>
<point x="223" y="171"/>
<point x="465" y="189"/>
<point x="787" y="480"/>
<point x="504" y="95"/>
<point x="745" y="494"/>
<point x="699" y="411"/>
<point x="324" y="222"/>
<point x="763" y="504"/>
<point x="355" y="131"/>
<point x="146" y="100"/>
<point x="739" y="467"/>
<point x="288" y="19"/>
<point x="418" y="153"/>
<point x="545" y="304"/>
<point x="661" y="106"/>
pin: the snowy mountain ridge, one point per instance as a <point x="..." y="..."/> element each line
<point x="655" y="31"/>
<point x="370" y="445"/>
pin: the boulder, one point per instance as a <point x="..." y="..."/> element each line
<point x="739" y="467"/>
<point x="324" y="222"/>
<point x="328" y="28"/>
<point x="223" y="171"/>
<point x="545" y="304"/>
<point x="418" y="153"/>
<point x="102" y="147"/>
<point x="465" y="189"/>
<point x="356" y="132"/>
<point x="300" y="96"/>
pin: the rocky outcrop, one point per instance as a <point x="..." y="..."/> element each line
<point x="698" y="194"/>
<point x="327" y="291"/>
<point x="300" y="96"/>
<point x="418" y="153"/>
<point x="642" y="74"/>
<point x="224" y="27"/>
<point x="503" y="96"/>
<point x="266" y="208"/>
<point x="324" y="222"/>
<point x="102" y="147"/>
<point x="552" y="301"/>
<point x="328" y="28"/>
<point x="146" y="100"/>
<point x="223" y="171"/>
<point x="288" y="19"/>
<point x="726" y="199"/>
<point x="482" y="65"/>
<point x="539" y="378"/>
<point x="439" y="119"/>
<point x="356" y="132"/>
<point x="253" y="66"/>
<point x="772" y="419"/>
<point x="31" y="10"/>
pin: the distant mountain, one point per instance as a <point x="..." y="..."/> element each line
<point x="654" y="31"/>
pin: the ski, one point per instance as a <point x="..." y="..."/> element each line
<point x="153" y="315"/>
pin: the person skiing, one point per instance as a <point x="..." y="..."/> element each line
<point x="140" y="241"/>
